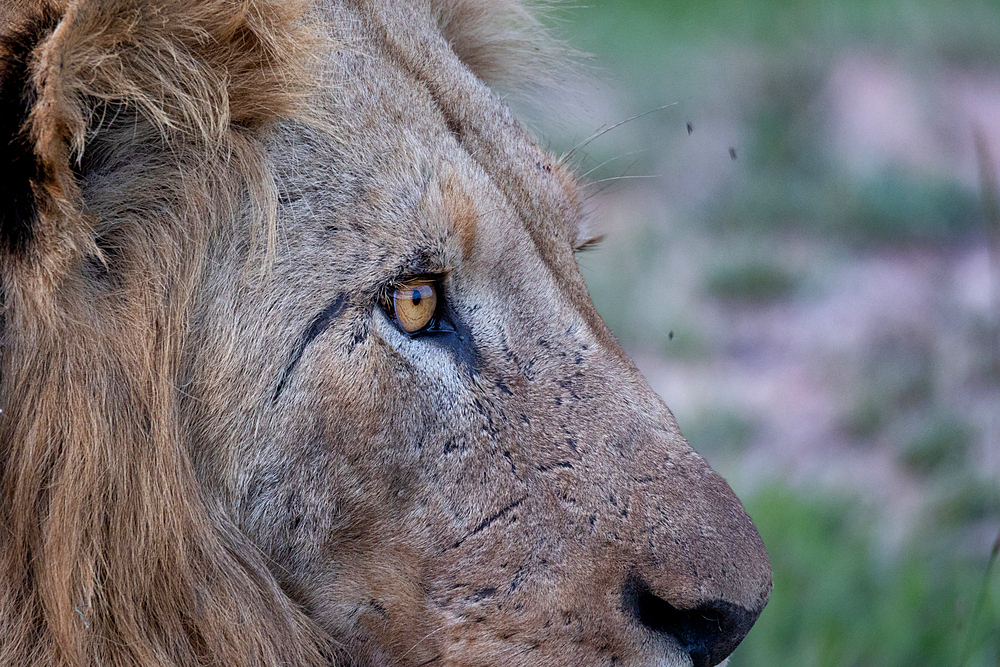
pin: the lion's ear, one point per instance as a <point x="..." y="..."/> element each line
<point x="19" y="169"/>
<point x="194" y="70"/>
<point x="503" y="42"/>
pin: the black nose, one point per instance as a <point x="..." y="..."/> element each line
<point x="708" y="632"/>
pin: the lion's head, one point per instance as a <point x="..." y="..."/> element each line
<point x="298" y="368"/>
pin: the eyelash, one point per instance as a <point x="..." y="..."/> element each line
<point x="588" y="244"/>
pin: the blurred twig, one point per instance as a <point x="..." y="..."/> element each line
<point x="991" y="206"/>
<point x="967" y="645"/>
<point x="991" y="209"/>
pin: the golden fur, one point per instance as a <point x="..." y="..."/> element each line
<point x="215" y="451"/>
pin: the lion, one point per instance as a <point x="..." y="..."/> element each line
<point x="298" y="368"/>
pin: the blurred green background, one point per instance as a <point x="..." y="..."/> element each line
<point x="798" y="259"/>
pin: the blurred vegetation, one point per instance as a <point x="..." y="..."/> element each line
<point x="755" y="281"/>
<point x="839" y="602"/>
<point x="748" y="82"/>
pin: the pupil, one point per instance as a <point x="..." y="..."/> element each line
<point x="416" y="297"/>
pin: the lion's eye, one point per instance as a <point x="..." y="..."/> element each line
<point x="414" y="303"/>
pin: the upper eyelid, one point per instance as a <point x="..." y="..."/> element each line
<point x="437" y="278"/>
<point x="387" y="291"/>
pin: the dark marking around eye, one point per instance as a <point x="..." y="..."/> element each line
<point x="452" y="333"/>
<point x="446" y="329"/>
<point x="316" y="327"/>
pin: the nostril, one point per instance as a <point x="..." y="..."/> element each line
<point x="708" y="632"/>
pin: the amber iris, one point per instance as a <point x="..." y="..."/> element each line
<point x="414" y="303"/>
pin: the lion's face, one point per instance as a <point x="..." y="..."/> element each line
<point x="411" y="409"/>
<point x="500" y="486"/>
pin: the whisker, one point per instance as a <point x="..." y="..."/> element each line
<point x="604" y="130"/>
<point x="609" y="161"/>
<point x="620" y="178"/>
<point x="608" y="183"/>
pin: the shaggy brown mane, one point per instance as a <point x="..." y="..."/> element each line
<point x="110" y="556"/>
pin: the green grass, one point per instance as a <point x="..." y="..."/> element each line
<point x="839" y="602"/>
<point x="967" y="502"/>
<point x="898" y="380"/>
<point x="624" y="276"/>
